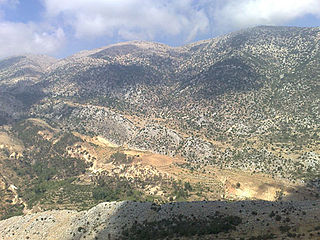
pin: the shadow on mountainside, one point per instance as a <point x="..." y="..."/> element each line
<point x="16" y="105"/>
<point x="228" y="75"/>
<point x="308" y="191"/>
<point x="213" y="220"/>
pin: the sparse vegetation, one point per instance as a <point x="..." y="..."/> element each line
<point x="77" y="133"/>
<point x="181" y="227"/>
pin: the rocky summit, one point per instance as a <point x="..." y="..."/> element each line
<point x="234" y="118"/>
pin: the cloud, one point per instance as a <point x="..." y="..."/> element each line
<point x="130" y="19"/>
<point x="21" y="38"/>
<point x="172" y="19"/>
<point x="18" y="38"/>
<point x="87" y="23"/>
<point x="235" y="14"/>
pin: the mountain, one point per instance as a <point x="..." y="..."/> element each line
<point x="19" y="71"/>
<point x="230" y="118"/>
<point x="17" y="74"/>
<point x="256" y="84"/>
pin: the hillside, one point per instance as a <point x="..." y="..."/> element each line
<point x="230" y="118"/>
<point x="17" y="75"/>
<point x="251" y="94"/>
<point x="194" y="220"/>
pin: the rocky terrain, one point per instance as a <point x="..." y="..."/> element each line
<point x="246" y="95"/>
<point x="230" y="118"/>
<point x="136" y="220"/>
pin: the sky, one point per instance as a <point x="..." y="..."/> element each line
<point x="63" y="27"/>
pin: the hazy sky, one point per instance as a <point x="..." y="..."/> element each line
<point x="63" y="27"/>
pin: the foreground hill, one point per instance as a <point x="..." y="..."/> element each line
<point x="194" y="220"/>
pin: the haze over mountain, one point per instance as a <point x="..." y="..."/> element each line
<point x="230" y="118"/>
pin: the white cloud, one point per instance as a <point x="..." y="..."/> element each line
<point x="236" y="14"/>
<point x="172" y="19"/>
<point x="20" y="38"/>
<point x="129" y="19"/>
<point x="166" y="20"/>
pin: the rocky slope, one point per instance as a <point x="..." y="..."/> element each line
<point x="252" y="95"/>
<point x="21" y="71"/>
<point x="135" y="220"/>
<point x="17" y="74"/>
<point x="235" y="117"/>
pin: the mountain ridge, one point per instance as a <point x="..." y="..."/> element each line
<point x="245" y="66"/>
<point x="236" y="117"/>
